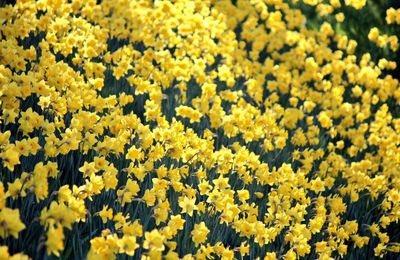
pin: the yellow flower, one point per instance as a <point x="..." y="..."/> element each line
<point x="339" y="17"/>
<point x="176" y="222"/>
<point x="187" y="205"/>
<point x="149" y="197"/>
<point x="2" y="196"/>
<point x="199" y="233"/>
<point x="316" y="224"/>
<point x="244" y="249"/>
<point x="204" y="187"/>
<point x="357" y="4"/>
<point x="133" y="229"/>
<point x="106" y="214"/>
<point x="337" y="205"/>
<point x="133" y="187"/>
<point x="317" y="185"/>
<point x="325" y="120"/>
<point x="243" y="195"/>
<point x="128" y="245"/>
<point x="10" y="157"/>
<point x="188" y="112"/>
<point x="110" y="178"/>
<point x="134" y="154"/>
<point x="15" y="189"/>
<point x="259" y="195"/>
<point x="270" y="256"/>
<point x="88" y="169"/>
<point x="312" y="2"/>
<point x="10" y="223"/>
<point x="55" y="240"/>
<point x="5" y="255"/>
<point x="373" y="34"/>
<point x="221" y="183"/>
<point x="154" y="241"/>
<point x="380" y="249"/>
<point x="161" y="212"/>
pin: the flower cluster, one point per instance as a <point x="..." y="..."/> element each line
<point x="195" y="129"/>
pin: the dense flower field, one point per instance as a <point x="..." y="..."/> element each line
<point x="198" y="129"/>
